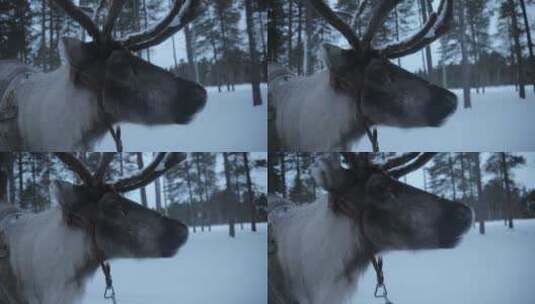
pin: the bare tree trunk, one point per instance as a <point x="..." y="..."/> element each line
<point x="250" y="198"/>
<point x="188" y="182"/>
<point x="517" y="50"/>
<point x="232" y="230"/>
<point x="307" y="65"/>
<point x="429" y="59"/>
<point x="139" y="159"/>
<point x="255" y="66"/>
<point x="464" y="55"/>
<point x="189" y="32"/>
<point x="200" y="185"/>
<point x="300" y="38"/>
<point x="146" y="21"/>
<point x="509" y="202"/>
<point x="290" y="32"/>
<point x="530" y="42"/>
<point x="43" y="34"/>
<point x="452" y="176"/>
<point x="482" y="209"/>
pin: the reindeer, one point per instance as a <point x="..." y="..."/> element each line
<point x="319" y="250"/>
<point x="50" y="255"/>
<point x="101" y="83"/>
<point x="334" y="108"/>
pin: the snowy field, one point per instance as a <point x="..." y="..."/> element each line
<point x="495" y="268"/>
<point x="498" y="121"/>
<point x="210" y="268"/>
<point x="229" y="122"/>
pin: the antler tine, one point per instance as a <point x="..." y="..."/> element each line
<point x="105" y="160"/>
<point x="76" y="165"/>
<point x="78" y="15"/>
<point x="379" y="14"/>
<point x="400" y="160"/>
<point x="416" y="164"/>
<point x="182" y="12"/>
<point x="323" y="9"/>
<point x="113" y="14"/>
<point x="436" y="26"/>
<point x="160" y="164"/>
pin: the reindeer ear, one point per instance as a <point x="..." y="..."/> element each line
<point x="333" y="56"/>
<point x="65" y="194"/>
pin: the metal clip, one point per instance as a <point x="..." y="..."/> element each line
<point x="381" y="292"/>
<point x="109" y="294"/>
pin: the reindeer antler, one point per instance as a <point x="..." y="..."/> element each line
<point x="79" y="16"/>
<point x="181" y="13"/>
<point x="436" y="26"/>
<point x="77" y="166"/>
<point x="396" y="167"/>
<point x="160" y="164"/>
<point x="402" y="165"/>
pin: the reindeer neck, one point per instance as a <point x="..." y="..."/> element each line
<point x="51" y="260"/>
<point x="322" y="253"/>
<point x="312" y="116"/>
<point x="57" y="114"/>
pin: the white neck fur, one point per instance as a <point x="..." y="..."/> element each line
<point x="54" y="114"/>
<point x="46" y="256"/>
<point x="312" y="116"/>
<point x="314" y="247"/>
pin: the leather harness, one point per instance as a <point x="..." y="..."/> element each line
<point x="91" y="227"/>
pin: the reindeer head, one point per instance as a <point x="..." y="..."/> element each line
<point x="392" y="215"/>
<point x="120" y="227"/>
<point x="387" y="93"/>
<point x="132" y="89"/>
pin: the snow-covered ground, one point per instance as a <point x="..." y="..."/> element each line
<point x="495" y="268"/>
<point x="229" y="122"/>
<point x="210" y="268"/>
<point x="498" y="121"/>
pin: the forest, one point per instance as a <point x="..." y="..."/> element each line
<point x="484" y="181"/>
<point x="488" y="44"/>
<point x="224" y="46"/>
<point x="205" y="189"/>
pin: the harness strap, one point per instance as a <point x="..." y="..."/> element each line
<point x="339" y="204"/>
<point x="98" y="88"/>
<point x="115" y="134"/>
<point x="109" y="291"/>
